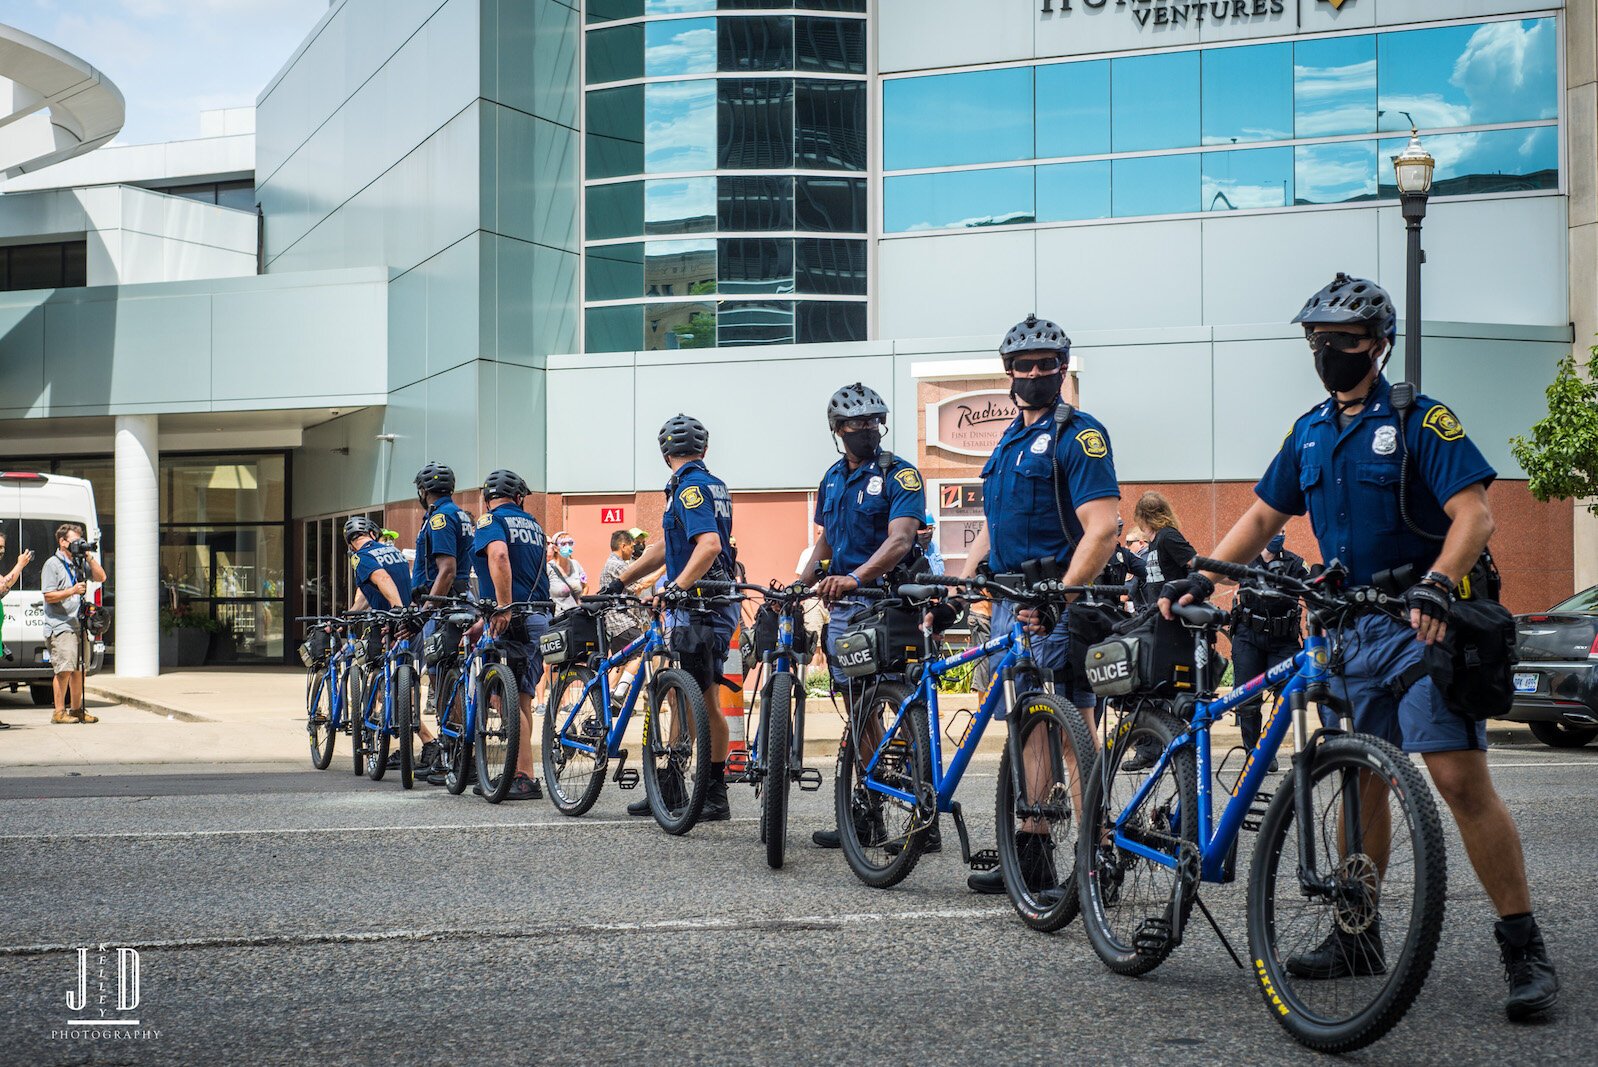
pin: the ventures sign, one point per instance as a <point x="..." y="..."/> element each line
<point x="1176" y="12"/>
<point x="971" y="423"/>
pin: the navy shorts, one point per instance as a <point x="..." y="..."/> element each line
<point x="520" y="647"/>
<point x="1377" y="650"/>
<point x="701" y="639"/>
<point x="1052" y="650"/>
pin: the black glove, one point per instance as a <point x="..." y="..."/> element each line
<point x="1198" y="585"/>
<point x="1428" y="599"/>
<point x="943" y="616"/>
<point x="612" y="587"/>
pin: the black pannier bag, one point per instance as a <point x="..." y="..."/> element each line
<point x="444" y="644"/>
<point x="369" y="645"/>
<point x="571" y="638"/>
<point x="1154" y="659"/>
<point x="765" y="633"/>
<point x="318" y="644"/>
<point x="1087" y="625"/>
<point x="1473" y="666"/>
<point x="889" y="639"/>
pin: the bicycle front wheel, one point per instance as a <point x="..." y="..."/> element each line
<point x="882" y="835"/>
<point x="319" y="722"/>
<point x="355" y="715"/>
<point x="676" y="751"/>
<point x="1036" y="809"/>
<point x="774" y="747"/>
<point x="1339" y="964"/>
<point x="455" y="752"/>
<point x="575" y="777"/>
<point x="499" y="731"/>
<point x="380" y="730"/>
<point x="405" y="718"/>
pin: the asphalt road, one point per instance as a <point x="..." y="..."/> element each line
<point x="305" y="917"/>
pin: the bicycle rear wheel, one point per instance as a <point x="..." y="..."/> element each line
<point x="355" y="715"/>
<point x="319" y="722"/>
<point x="405" y="717"/>
<point x="1036" y="819"/>
<point x="455" y="752"/>
<point x="1376" y="834"/>
<point x="676" y="751"/>
<point x="1131" y="905"/>
<point x="882" y="835"/>
<point x="380" y="730"/>
<point x="499" y="731"/>
<point x="575" y="777"/>
<point x="775" y="750"/>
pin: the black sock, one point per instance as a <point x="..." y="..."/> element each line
<point x="1518" y="928"/>
<point x="718" y="771"/>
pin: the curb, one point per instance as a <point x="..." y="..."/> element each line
<point x="145" y="705"/>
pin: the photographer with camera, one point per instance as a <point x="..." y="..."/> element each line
<point x="65" y="583"/>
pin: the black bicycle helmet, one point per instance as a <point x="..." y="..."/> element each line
<point x="684" y="435"/>
<point x="435" y="478"/>
<point x="1033" y="334"/>
<point x="357" y="525"/>
<point x="1351" y="301"/>
<point x="855" y="401"/>
<point x="504" y="484"/>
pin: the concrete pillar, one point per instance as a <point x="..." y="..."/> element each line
<point x="138" y="556"/>
<point x="1581" y="160"/>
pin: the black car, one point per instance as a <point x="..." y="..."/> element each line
<point x="1556" y="680"/>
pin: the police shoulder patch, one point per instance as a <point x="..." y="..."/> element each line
<point x="691" y="497"/>
<point x="485" y="520"/>
<point x="436" y="522"/>
<point x="1440" y="421"/>
<point x="909" y="479"/>
<point x="1094" y="446"/>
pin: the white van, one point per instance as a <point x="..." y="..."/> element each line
<point x="32" y="505"/>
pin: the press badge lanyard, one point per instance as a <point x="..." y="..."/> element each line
<point x="68" y="564"/>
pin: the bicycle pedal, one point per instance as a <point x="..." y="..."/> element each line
<point x="737" y="762"/>
<point x="809" y="779"/>
<point x="984" y="859"/>
<point x="625" y="777"/>
<point x="1152" y="937"/>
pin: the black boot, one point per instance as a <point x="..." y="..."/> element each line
<point x="1037" y="864"/>
<point x="639" y="806"/>
<point x="1342" y="955"/>
<point x="868" y="830"/>
<point x="716" y="808"/>
<point x="1533" y="986"/>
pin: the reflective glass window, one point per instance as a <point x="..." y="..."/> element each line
<point x="753" y="5"/>
<point x="829" y="125"/>
<point x="837" y="46"/>
<point x="686" y="324"/>
<point x="828" y="321"/>
<point x="1244" y="181"/>
<point x="615" y="210"/>
<point x="239" y="195"/>
<point x="834" y="268"/>
<point x="680" y="126"/>
<point x="614" y="329"/>
<point x="679" y="46"/>
<point x="616" y="132"/>
<point x="1469" y="75"/>
<point x="963" y="198"/>
<point x="679" y="268"/>
<point x="1334" y="86"/>
<point x="837" y="205"/>
<point x="209" y="489"/>
<point x="680" y="205"/>
<point x="677" y="7"/>
<point x="755" y="323"/>
<point x="614" y="272"/>
<point x="1068" y="192"/>
<point x="74" y="263"/>
<point x="1155" y="185"/>
<point x="616" y="54"/>
<point x="1334" y="173"/>
<point x="755" y="265"/>
<point x="1073" y="109"/>
<point x="829" y="5"/>
<point x="1495" y="161"/>
<point x="949" y="119"/>
<point x="755" y="44"/>
<point x="1248" y="94"/>
<point x="1155" y="102"/>
<point x="754" y="203"/>
<point x="608" y="10"/>
<point x="756" y="123"/>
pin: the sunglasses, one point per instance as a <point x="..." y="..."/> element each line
<point x="1340" y="342"/>
<point x="1045" y="364"/>
<point x="858" y="424"/>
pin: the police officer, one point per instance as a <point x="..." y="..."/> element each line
<point x="380" y="571"/>
<point x="443" y="560"/>
<point x="870" y="505"/>
<point x="1265" y="631"/>
<point x="1044" y="471"/>
<point x="508" y="557"/>
<point x="1342" y="463"/>
<point x="698" y="545"/>
<point x="1125" y="568"/>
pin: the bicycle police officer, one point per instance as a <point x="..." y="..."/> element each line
<point x="1265" y="631"/>
<point x="870" y="505"/>
<point x="443" y="560"/>
<point x="1343" y="464"/>
<point x="698" y="536"/>
<point x="508" y="557"/>
<point x="1045" y="471"/>
<point x="380" y="571"/>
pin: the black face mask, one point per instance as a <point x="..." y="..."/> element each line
<point x="1339" y="371"/>
<point x="861" y="444"/>
<point x="1037" y="392"/>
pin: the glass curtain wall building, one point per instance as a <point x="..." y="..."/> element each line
<point x="725" y="156"/>
<point x="1223" y="128"/>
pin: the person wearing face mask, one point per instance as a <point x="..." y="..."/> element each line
<point x="1343" y="464"/>
<point x="928" y="546"/>
<point x="1049" y="491"/>
<point x="869" y="506"/>
<point x="567" y="579"/>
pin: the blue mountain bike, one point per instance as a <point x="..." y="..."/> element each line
<point x="389" y="710"/>
<point x="329" y="655"/>
<point x="1348" y="877"/>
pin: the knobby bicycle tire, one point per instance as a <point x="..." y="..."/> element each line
<point x="381" y="736"/>
<point x="355" y="710"/>
<point x="775" y="749"/>
<point x="887" y="855"/>
<point x="496" y="769"/>
<point x="574" y="777"/>
<point x="676" y="766"/>
<point x="456" y="757"/>
<point x="319" y="722"/>
<point x="405" y="716"/>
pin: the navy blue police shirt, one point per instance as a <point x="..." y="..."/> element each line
<point x="855" y="507"/>
<point x="373" y="557"/>
<point x="1348" y="480"/>
<point x="1018" y="488"/>
<point x="524" y="541"/>
<point x="446" y="531"/>
<point x="697" y="502"/>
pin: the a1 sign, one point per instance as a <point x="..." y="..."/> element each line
<point x="612" y="516"/>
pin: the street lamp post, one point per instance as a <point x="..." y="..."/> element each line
<point x="1414" y="168"/>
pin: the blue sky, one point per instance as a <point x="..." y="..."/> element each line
<point x="173" y="59"/>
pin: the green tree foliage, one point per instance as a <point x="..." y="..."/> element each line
<point x="1561" y="454"/>
<point x="699" y="333"/>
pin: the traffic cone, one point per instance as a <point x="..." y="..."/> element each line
<point x="732" y="706"/>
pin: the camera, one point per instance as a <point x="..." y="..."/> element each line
<point x="80" y="547"/>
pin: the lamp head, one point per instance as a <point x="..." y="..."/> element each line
<point x="1414" y="167"/>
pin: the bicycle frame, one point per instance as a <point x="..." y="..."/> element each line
<point x="651" y="641"/>
<point x="334" y="676"/>
<point x="779" y="661"/>
<point x="396" y="651"/>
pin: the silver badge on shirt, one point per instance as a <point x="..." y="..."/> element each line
<point x="1385" y="443"/>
